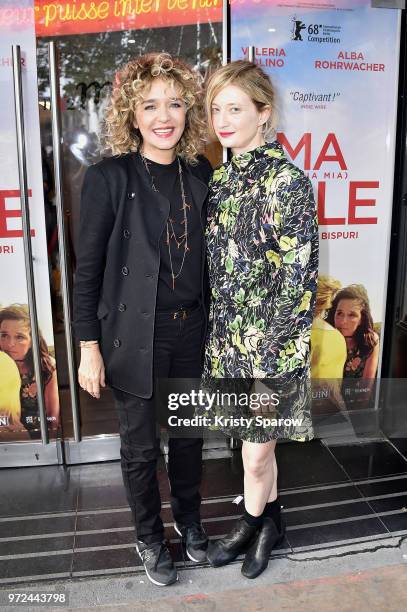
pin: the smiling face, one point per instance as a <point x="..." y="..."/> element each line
<point x="160" y="117"/>
<point x="236" y="120"/>
<point x="15" y="339"/>
<point x="348" y="316"/>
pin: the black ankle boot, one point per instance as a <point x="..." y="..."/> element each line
<point x="226" y="549"/>
<point x="258" y="555"/>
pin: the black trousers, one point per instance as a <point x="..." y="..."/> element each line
<point x="177" y="354"/>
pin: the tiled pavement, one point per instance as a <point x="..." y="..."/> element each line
<point x="67" y="522"/>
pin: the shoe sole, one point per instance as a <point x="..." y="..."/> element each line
<point x="186" y="550"/>
<point x="156" y="581"/>
<point x="152" y="579"/>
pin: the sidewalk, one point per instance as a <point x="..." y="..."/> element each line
<point x="69" y="529"/>
<point x="359" y="577"/>
<point x="382" y="589"/>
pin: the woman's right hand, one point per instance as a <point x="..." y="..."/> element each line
<point x="91" y="373"/>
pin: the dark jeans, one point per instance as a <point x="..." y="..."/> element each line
<point x="177" y="354"/>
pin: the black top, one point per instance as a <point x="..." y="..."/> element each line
<point x="188" y="284"/>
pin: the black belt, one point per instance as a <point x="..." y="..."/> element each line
<point x="179" y="312"/>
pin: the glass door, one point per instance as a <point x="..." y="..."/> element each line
<point x="86" y="65"/>
<point x="29" y="401"/>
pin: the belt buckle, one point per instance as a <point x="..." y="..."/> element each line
<point x="180" y="312"/>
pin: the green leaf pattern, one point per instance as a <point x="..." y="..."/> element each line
<point x="262" y="245"/>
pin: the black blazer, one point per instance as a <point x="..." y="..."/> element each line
<point x="115" y="288"/>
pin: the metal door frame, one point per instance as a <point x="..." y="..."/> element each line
<point x="41" y="452"/>
<point x="103" y="447"/>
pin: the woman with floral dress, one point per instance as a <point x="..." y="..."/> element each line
<point x="262" y="246"/>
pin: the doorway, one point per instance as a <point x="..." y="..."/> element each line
<point x="85" y="69"/>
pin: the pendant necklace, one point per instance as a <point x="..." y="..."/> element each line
<point x="171" y="235"/>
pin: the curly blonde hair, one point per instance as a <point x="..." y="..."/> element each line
<point x="131" y="82"/>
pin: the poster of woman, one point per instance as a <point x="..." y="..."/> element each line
<point x="19" y="406"/>
<point x="19" y="396"/>
<point x="345" y="346"/>
<point x="348" y="155"/>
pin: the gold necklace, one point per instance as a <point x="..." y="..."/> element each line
<point x="183" y="239"/>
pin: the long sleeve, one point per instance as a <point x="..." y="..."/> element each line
<point x="96" y="224"/>
<point x="288" y="333"/>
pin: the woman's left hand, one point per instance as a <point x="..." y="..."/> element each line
<point x="91" y="373"/>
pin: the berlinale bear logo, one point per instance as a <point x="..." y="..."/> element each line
<point x="298" y="26"/>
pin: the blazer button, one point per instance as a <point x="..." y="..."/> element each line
<point x="126" y="233"/>
<point x="116" y="343"/>
<point x="121" y="307"/>
<point x="125" y="271"/>
<point x="131" y="195"/>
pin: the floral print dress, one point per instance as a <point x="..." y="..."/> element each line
<point x="262" y="241"/>
<point x="355" y="363"/>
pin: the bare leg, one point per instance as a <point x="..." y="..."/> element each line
<point x="273" y="492"/>
<point x="260" y="475"/>
<point x="260" y="486"/>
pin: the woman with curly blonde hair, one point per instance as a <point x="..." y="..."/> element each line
<point x="140" y="287"/>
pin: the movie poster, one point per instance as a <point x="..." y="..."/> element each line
<point x="335" y="69"/>
<point x="19" y="415"/>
